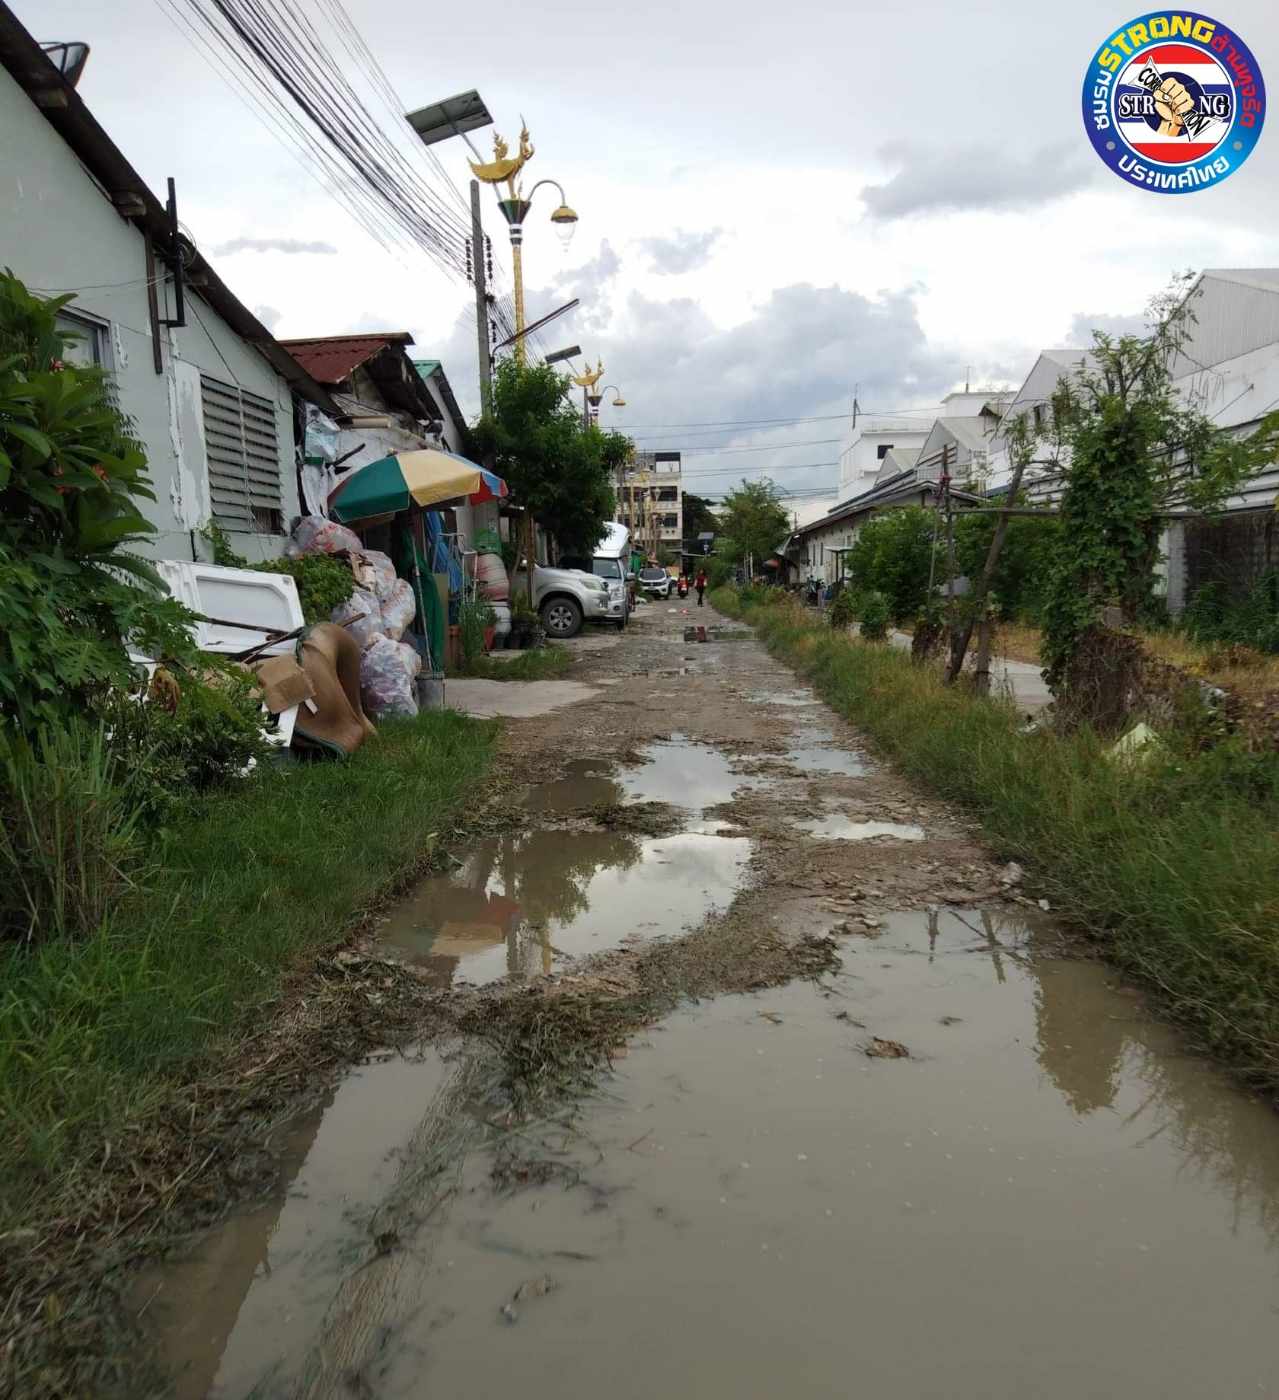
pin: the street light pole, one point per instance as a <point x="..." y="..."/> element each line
<point x="504" y="169"/>
<point x="481" y="302"/>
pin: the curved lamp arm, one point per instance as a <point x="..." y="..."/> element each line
<point x="563" y="217"/>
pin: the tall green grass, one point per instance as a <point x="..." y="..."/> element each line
<point x="277" y="867"/>
<point x="1173" y="866"/>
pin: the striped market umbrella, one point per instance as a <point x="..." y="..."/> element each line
<point x="424" y="478"/>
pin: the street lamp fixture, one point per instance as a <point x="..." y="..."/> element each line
<point x="504" y="169"/>
<point x="568" y="353"/>
<point x="619" y="401"/>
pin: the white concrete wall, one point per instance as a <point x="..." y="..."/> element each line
<point x="60" y="233"/>
<point x="860" y="459"/>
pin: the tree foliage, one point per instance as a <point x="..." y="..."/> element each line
<point x="1134" y="449"/>
<point x="72" y="596"/>
<point x="1029" y="547"/>
<point x="699" y="516"/>
<point x="564" y="472"/>
<point x="892" y="554"/>
<point x="753" y="522"/>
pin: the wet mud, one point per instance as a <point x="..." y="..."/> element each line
<point x="944" y="1161"/>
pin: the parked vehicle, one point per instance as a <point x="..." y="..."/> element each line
<point x="609" y="562"/>
<point x="564" y="598"/>
<point x="655" y="582"/>
<point x="682" y="586"/>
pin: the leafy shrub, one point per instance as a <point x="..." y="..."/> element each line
<point x="1024" y="561"/>
<point x="71" y="476"/>
<point x="69" y="844"/>
<point x="876" y="614"/>
<point x="473" y="618"/>
<point x="892" y="555"/>
<point x="843" y="610"/>
<point x="1253" y="621"/>
<point x="323" y="582"/>
<point x="190" y="738"/>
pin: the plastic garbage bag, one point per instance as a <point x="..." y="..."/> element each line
<point x="387" y="671"/>
<point x="374" y="571"/>
<point x="361" y="615"/>
<point x="315" y="535"/>
<point x="398" y="609"/>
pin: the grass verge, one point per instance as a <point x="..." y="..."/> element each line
<point x="1173" y="867"/>
<point x="92" y="1033"/>
<point x="538" y="664"/>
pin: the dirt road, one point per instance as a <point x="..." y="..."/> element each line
<point x="902" y="1143"/>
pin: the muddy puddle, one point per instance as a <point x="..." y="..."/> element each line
<point x="1044" y="1197"/>
<point x="837" y="827"/>
<point x="815" y="750"/>
<point x="519" y="905"/>
<point x="246" y="1303"/>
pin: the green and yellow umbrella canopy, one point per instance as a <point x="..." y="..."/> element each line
<point x="423" y="478"/>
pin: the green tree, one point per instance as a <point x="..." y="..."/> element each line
<point x="1135" y="448"/>
<point x="753" y="522"/>
<point x="699" y="517"/>
<point x="1029" y="547"/>
<point x="563" y="472"/>
<point x="892" y="554"/>
<point x="72" y="596"/>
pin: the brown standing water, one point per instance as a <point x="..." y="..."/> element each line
<point x="1043" y="1196"/>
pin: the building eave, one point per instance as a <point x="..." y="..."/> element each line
<point x="121" y="185"/>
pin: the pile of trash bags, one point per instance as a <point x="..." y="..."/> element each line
<point x="376" y="616"/>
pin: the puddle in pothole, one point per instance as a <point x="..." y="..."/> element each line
<point x="520" y="904"/>
<point x="250" y="1297"/>
<point x="689" y="776"/>
<point x="837" y="827"/>
<point x="789" y="699"/>
<point x="1048" y="1189"/>
<point x="821" y="758"/>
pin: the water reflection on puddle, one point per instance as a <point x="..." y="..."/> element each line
<point x="250" y="1297"/>
<point x="817" y="757"/>
<point x="677" y="771"/>
<point x="837" y="827"/>
<point x="1047" y="1198"/>
<point x="520" y="902"/>
<point x="1064" y="1201"/>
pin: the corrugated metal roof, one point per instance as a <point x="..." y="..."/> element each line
<point x="334" y="358"/>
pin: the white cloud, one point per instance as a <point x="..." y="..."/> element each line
<point x="937" y="179"/>
<point x="680" y="252"/>
<point x="271" y="245"/>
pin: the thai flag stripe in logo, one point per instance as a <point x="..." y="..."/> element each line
<point x="1133" y="100"/>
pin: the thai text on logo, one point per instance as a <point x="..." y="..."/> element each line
<point x="1174" y="101"/>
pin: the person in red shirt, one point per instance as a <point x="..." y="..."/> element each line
<point x="700" y="585"/>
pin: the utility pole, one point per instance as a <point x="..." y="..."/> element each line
<point x="481" y="302"/>
<point x="952" y="627"/>
<point x="1021" y="459"/>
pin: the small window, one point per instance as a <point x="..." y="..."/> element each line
<point x="1041" y="414"/>
<point x="244" y="459"/>
<point x="89" y="341"/>
<point x="883" y="450"/>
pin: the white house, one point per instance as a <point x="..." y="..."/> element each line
<point x="874" y="437"/>
<point x="1229" y="369"/>
<point x="211" y="400"/>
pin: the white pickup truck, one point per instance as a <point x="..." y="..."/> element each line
<point x="564" y="598"/>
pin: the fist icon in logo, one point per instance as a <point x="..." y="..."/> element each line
<point x="1174" y="104"/>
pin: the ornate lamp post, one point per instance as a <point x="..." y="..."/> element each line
<point x="504" y="169"/>
<point x="591" y="398"/>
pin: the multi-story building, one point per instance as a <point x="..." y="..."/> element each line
<point x="651" y="501"/>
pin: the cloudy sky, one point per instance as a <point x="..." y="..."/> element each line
<point x="775" y="207"/>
